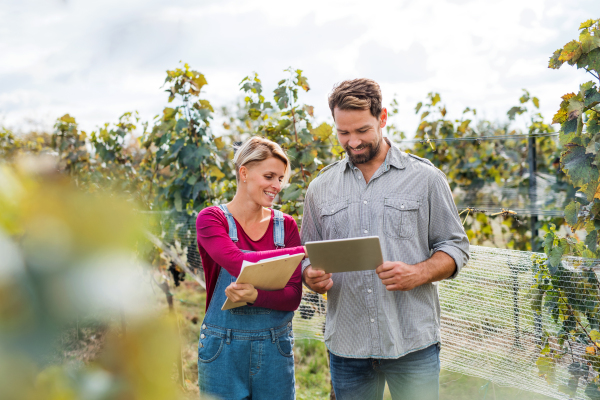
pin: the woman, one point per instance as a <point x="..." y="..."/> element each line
<point x="246" y="352"/>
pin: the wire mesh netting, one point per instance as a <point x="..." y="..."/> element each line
<point x="489" y="328"/>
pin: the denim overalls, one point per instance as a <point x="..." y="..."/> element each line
<point x="246" y="352"/>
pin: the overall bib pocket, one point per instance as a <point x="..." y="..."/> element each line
<point x="335" y="219"/>
<point x="209" y="348"/>
<point x="400" y="217"/>
<point x="285" y="344"/>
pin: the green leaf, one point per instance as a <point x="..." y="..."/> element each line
<point x="292" y="192"/>
<point x="555" y="256"/>
<point x="591" y="240"/>
<point x="593" y="60"/>
<point x="555" y="62"/>
<point x="178" y="202"/>
<point x="578" y="166"/>
<point x="418" y="107"/>
<point x="548" y="241"/>
<point x="592" y="391"/>
<point x="253" y="113"/>
<point x="572" y="213"/>
<point x="536" y="102"/>
<point x="191" y="156"/>
<point x="589" y="42"/>
<point x="514" y="111"/>
<point x="169" y="113"/>
<point x="592" y="97"/>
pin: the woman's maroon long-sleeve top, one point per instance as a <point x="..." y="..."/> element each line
<point x="218" y="251"/>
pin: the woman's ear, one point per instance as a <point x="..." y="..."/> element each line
<point x="243" y="173"/>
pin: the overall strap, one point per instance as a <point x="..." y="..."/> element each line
<point x="230" y="222"/>
<point x="278" y="229"/>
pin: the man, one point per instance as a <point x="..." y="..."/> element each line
<point x="382" y="325"/>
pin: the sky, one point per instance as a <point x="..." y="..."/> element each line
<point x="98" y="59"/>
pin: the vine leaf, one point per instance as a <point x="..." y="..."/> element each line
<point x="579" y="166"/>
<point x="572" y="212"/>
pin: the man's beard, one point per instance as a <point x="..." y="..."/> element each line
<point x="363" y="157"/>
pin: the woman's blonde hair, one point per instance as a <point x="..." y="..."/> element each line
<point x="257" y="149"/>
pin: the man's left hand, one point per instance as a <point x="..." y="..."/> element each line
<point x="400" y="276"/>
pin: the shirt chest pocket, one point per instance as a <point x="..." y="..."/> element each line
<point x="400" y="217"/>
<point x="334" y="217"/>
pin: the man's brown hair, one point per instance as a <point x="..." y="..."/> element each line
<point x="356" y="94"/>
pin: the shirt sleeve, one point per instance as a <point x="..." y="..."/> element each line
<point x="446" y="232"/>
<point x="288" y="298"/>
<point x="310" y="231"/>
<point x="213" y="236"/>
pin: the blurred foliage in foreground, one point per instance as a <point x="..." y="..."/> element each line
<point x="68" y="255"/>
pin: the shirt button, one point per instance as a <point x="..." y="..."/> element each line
<point x="369" y="291"/>
<point x="365" y="202"/>
<point x="372" y="320"/>
<point x="366" y="231"/>
<point x="402" y="206"/>
<point x="202" y="336"/>
<point x="359" y="177"/>
<point x="203" y="326"/>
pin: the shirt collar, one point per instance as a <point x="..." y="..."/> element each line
<point x="395" y="158"/>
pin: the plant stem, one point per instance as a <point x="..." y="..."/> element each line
<point x="580" y="325"/>
<point x="594" y="75"/>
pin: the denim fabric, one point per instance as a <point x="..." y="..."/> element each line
<point x="245" y="352"/>
<point x="237" y="364"/>
<point x="414" y="376"/>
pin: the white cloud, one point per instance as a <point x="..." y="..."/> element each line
<point x="97" y="60"/>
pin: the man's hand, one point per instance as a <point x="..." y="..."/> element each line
<point x="400" y="276"/>
<point x="238" y="292"/>
<point x="317" y="280"/>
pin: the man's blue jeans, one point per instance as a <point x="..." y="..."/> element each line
<point x="415" y="376"/>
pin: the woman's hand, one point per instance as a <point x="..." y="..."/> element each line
<point x="241" y="292"/>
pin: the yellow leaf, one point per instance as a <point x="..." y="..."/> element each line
<point x="590" y="350"/>
<point x="219" y="142"/>
<point x="597" y="194"/>
<point x="216" y="172"/>
<point x="323" y="131"/>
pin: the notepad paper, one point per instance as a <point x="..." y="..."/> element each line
<point x="267" y="274"/>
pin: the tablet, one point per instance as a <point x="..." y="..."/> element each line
<point x="345" y="255"/>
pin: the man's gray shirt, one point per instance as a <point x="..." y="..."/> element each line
<point x="409" y="205"/>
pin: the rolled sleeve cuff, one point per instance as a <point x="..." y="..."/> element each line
<point x="459" y="256"/>
<point x="305" y="264"/>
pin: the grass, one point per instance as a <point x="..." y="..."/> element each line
<point x="312" y="371"/>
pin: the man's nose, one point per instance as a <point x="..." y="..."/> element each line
<point x="354" y="142"/>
